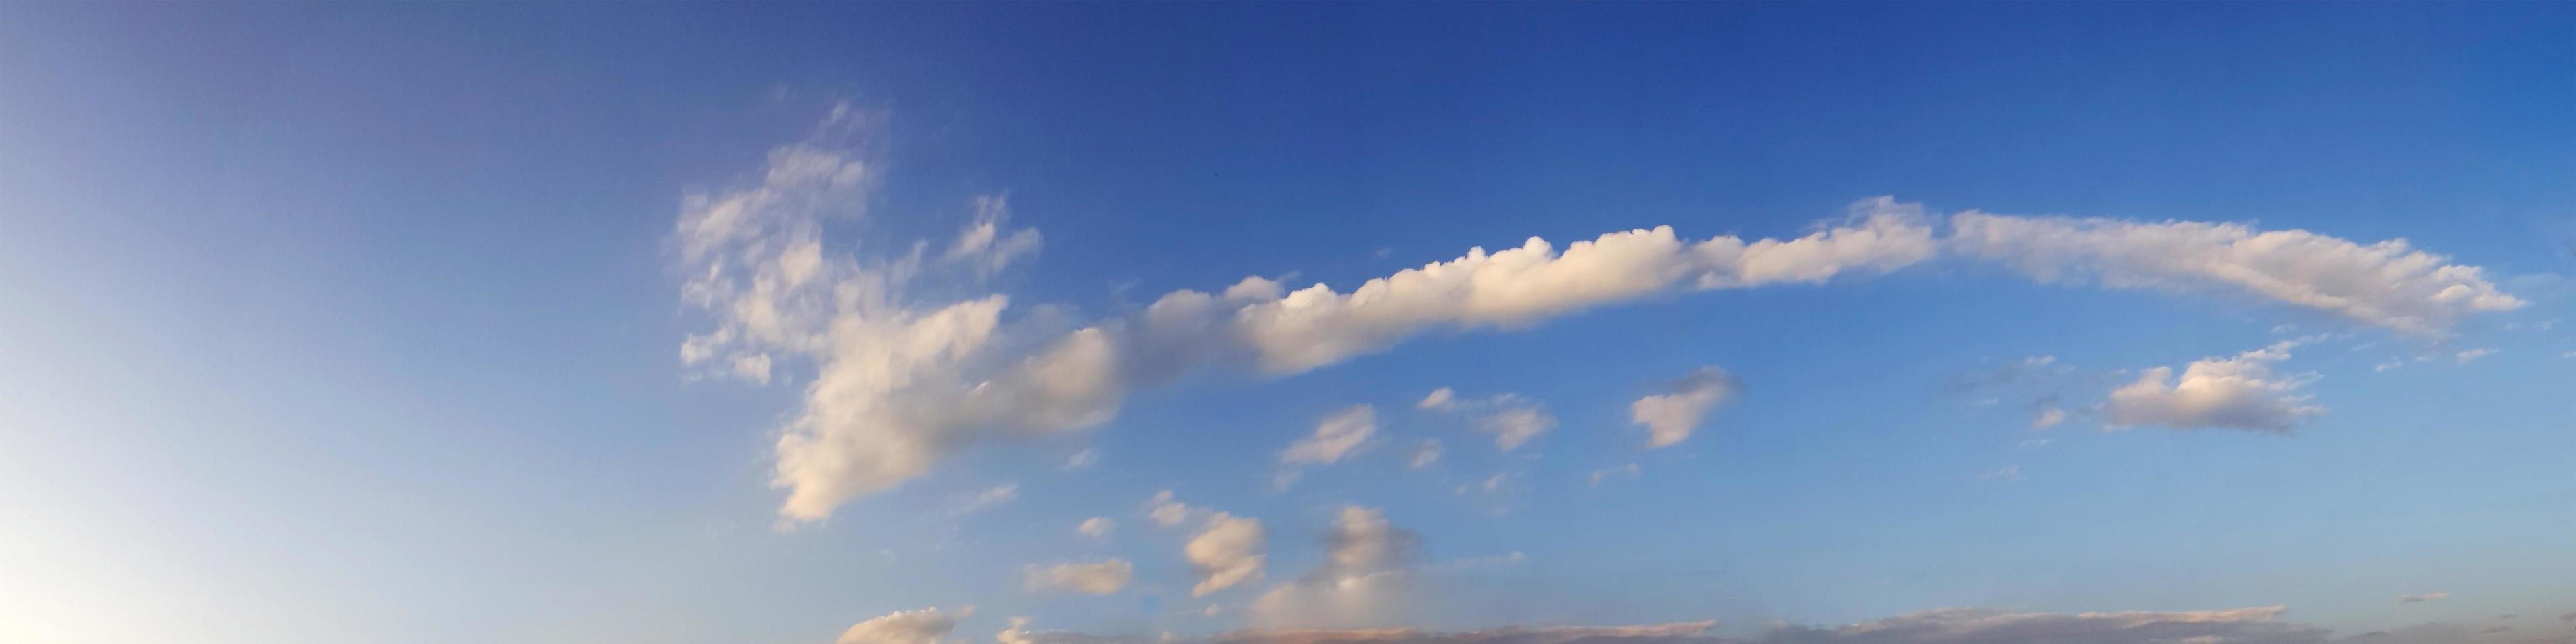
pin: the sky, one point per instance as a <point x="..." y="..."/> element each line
<point x="1084" y="323"/>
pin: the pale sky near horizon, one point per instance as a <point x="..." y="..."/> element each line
<point x="1080" y="323"/>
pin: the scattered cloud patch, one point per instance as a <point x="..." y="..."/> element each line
<point x="1081" y="460"/>
<point x="923" y="626"/>
<point x="987" y="499"/>
<point x="1629" y="471"/>
<point x="2239" y="392"/>
<point x="1513" y="419"/>
<point x="1513" y="427"/>
<point x="1425" y="454"/>
<point x="2419" y="598"/>
<point x="1670" y="417"/>
<point x="2465" y="356"/>
<point x="1225" y="552"/>
<point x="1097" y="528"/>
<point x="1097" y="577"/>
<point x="2044" y="413"/>
<point x="914" y="357"/>
<point x="1359" y="583"/>
<point x="1338" y="435"/>
<point x="1166" y="512"/>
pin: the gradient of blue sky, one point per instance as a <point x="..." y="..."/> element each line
<point x="339" y="323"/>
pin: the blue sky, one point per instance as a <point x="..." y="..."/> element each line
<point x="783" y="323"/>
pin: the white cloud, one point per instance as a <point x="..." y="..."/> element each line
<point x="1016" y="633"/>
<point x="1166" y="512"/>
<point x="924" y="626"/>
<point x="1097" y="577"/>
<point x="2422" y="597"/>
<point x="1338" y="435"/>
<point x="1670" y="417"/>
<point x="1225" y="552"/>
<point x="913" y="357"/>
<point x="1439" y="399"/>
<point x="2044" y="416"/>
<point x="1097" y="528"/>
<point x="2034" y="443"/>
<point x="1629" y="471"/>
<point x="2385" y="284"/>
<point x="986" y="245"/>
<point x="987" y="498"/>
<point x="1522" y="286"/>
<point x="1081" y="460"/>
<point x="2008" y="475"/>
<point x="1360" y="581"/>
<point x="910" y="365"/>
<point x="2239" y="392"/>
<point x="1425" y="455"/>
<point x="1512" y="427"/>
<point x="2465" y="356"/>
<point x="1512" y="418"/>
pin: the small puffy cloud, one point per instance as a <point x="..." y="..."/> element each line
<point x="1225" y="552"/>
<point x="2419" y="598"/>
<point x="1629" y="471"/>
<point x="1439" y="399"/>
<point x="1096" y="577"/>
<point x="2239" y="392"/>
<point x="1512" y="427"/>
<point x="1338" y="435"/>
<point x="1166" y="512"/>
<point x="988" y="245"/>
<point x="2045" y="414"/>
<point x="1097" y="528"/>
<point x="1361" y="581"/>
<point x="987" y="498"/>
<point x="1019" y="633"/>
<point x="1081" y="460"/>
<point x="2034" y="443"/>
<point x="2465" y="356"/>
<point x="1425" y="454"/>
<point x="924" y="626"/>
<point x="1670" y="417"/>
<point x="2386" y="284"/>
<point x="1513" y="419"/>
